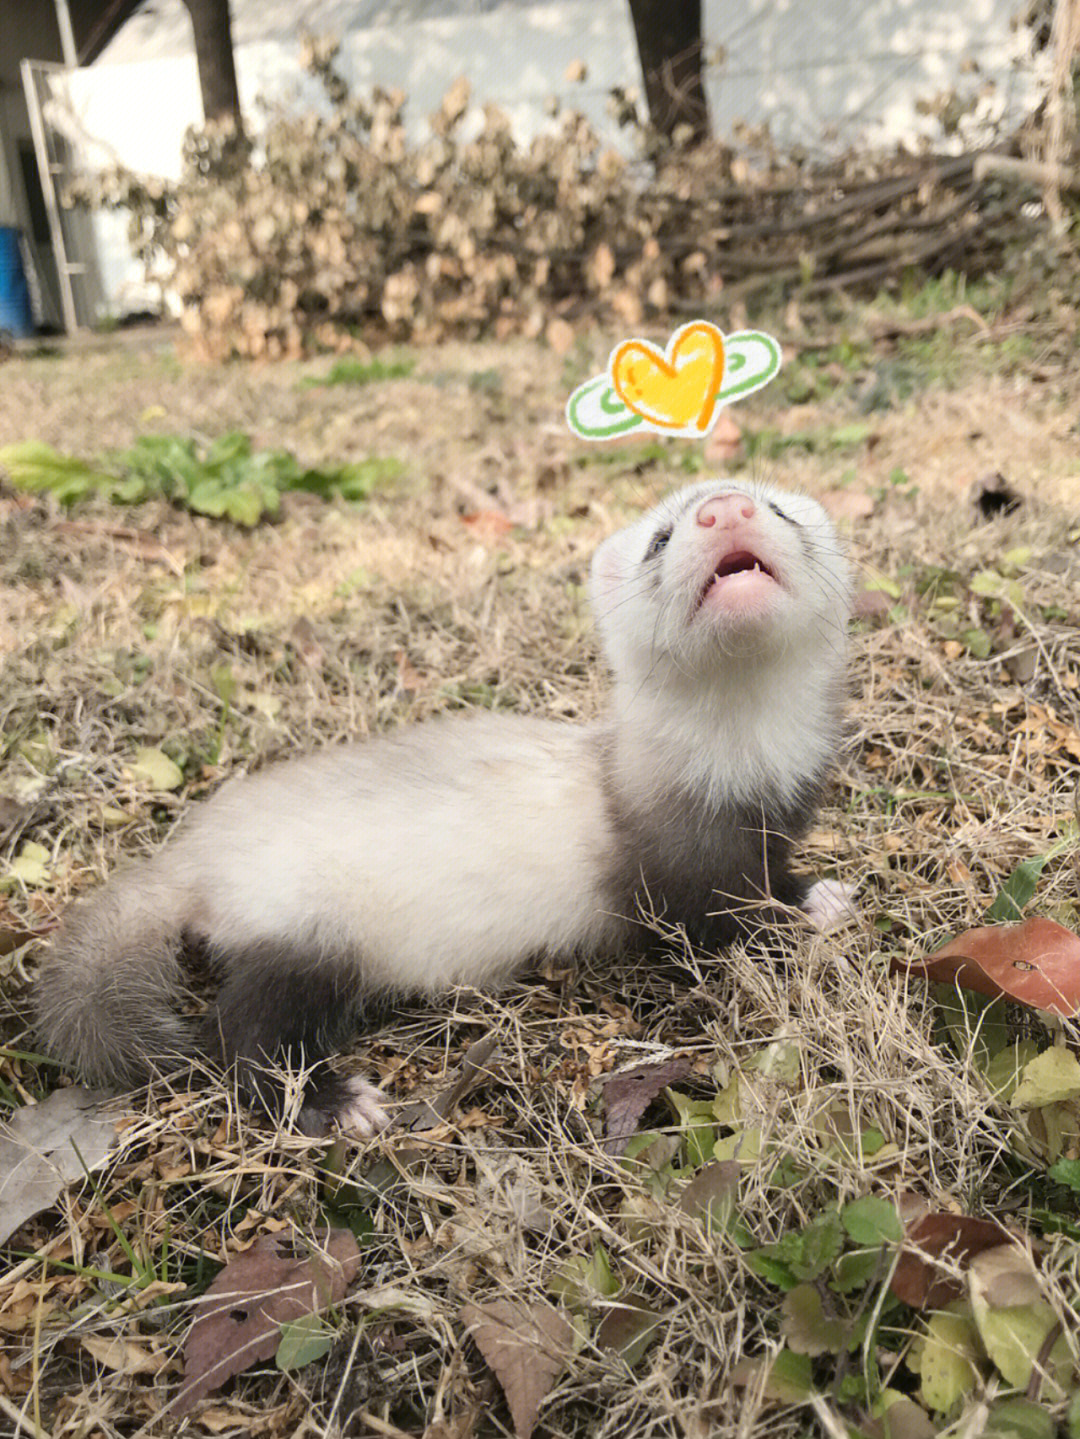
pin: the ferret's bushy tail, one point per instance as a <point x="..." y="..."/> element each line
<point x="106" y="1000"/>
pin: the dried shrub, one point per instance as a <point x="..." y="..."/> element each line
<point x="334" y="222"/>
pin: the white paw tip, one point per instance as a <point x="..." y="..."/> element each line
<point x="364" y="1112"/>
<point x="830" y="904"/>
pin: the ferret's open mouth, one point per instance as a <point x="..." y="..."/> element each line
<point x="738" y="562"/>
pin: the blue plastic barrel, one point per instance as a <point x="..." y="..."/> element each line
<point x="15" y="313"/>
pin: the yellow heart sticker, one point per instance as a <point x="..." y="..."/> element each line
<point x="677" y="388"/>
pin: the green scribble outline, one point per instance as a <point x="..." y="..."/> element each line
<point x="725" y="396"/>
<point x="619" y="427"/>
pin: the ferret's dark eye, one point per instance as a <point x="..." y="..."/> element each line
<point x="780" y="513"/>
<point x="657" y="543"/>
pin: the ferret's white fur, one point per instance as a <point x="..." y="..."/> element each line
<point x="438" y="855"/>
<point x="455" y="851"/>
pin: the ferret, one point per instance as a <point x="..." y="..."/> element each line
<point x="459" y="850"/>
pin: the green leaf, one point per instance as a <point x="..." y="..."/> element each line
<point x="1017" y="890"/>
<point x="858" y="1268"/>
<point x="303" y="1341"/>
<point x="978" y="643"/>
<point x="1014" y="1338"/>
<point x="986" y="582"/>
<point x="767" y="1264"/>
<point x="806" y="1327"/>
<point x="876" y="581"/>
<point x="29" y="867"/>
<point x="1072" y="1417"/>
<point x="1066" y="1171"/>
<point x="872" y="1221"/>
<point x="743" y="1145"/>
<point x="36" y="467"/>
<point x="819" y="1245"/>
<point x="156" y="770"/>
<point x="781" y="1060"/>
<point x="695" y="1118"/>
<point x="787" y="1379"/>
<point x="977" y="1025"/>
<point x="845" y="436"/>
<point x="1003" y="1072"/>
<point x="1019" y="1419"/>
<point x="946" y="1360"/>
<point x="1017" y="558"/>
<point x="224" y="682"/>
<point x="1050" y="1077"/>
<point x="583" y="1280"/>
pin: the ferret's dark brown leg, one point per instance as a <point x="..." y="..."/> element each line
<point x="279" y="1007"/>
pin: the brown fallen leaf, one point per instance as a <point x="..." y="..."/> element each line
<point x="560" y="336"/>
<point x="44" y="1147"/>
<point x="488" y="524"/>
<point x="847" y="504"/>
<point x="715" y="1183"/>
<point x="628" y="1328"/>
<point x="526" y="1346"/>
<point x="239" y="1318"/>
<point x="1036" y="962"/>
<point x="123" y="1356"/>
<point x="872" y="604"/>
<point x="628" y="1094"/>
<point x="724" y="439"/>
<point x="917" y="1280"/>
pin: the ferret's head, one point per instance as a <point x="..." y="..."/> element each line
<point x="718" y="573"/>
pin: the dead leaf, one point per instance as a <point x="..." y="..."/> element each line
<point x="488" y="524"/>
<point x="628" y="1094"/>
<point x="526" y="1346"/>
<point x="871" y="604"/>
<point x="904" y="1419"/>
<point x="123" y="1356"/>
<point x="306" y="643"/>
<point x="1036" y="962"/>
<point x="628" y="1328"/>
<point x="45" y="1147"/>
<point x="13" y="813"/>
<point x="724" y="439"/>
<point x="239" y="1318"/>
<point x="712" y="1189"/>
<point x="917" y="1280"/>
<point x="13" y="937"/>
<point x="560" y="336"/>
<point x="847" y="504"/>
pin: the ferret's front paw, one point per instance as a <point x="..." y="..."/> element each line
<point x="829" y="905"/>
<point x="362" y="1111"/>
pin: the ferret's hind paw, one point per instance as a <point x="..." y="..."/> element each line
<point x="347" y="1103"/>
<point x="830" y="904"/>
<point x="362" y="1111"/>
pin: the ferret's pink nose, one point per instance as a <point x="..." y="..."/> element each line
<point x="726" y="510"/>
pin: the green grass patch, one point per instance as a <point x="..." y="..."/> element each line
<point x="352" y="371"/>
<point x="226" y="479"/>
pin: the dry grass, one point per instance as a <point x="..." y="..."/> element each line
<point x="338" y="622"/>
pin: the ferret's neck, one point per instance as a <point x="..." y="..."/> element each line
<point x="755" y="734"/>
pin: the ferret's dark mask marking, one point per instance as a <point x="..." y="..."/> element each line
<point x="658" y="541"/>
<point x="781" y="515"/>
